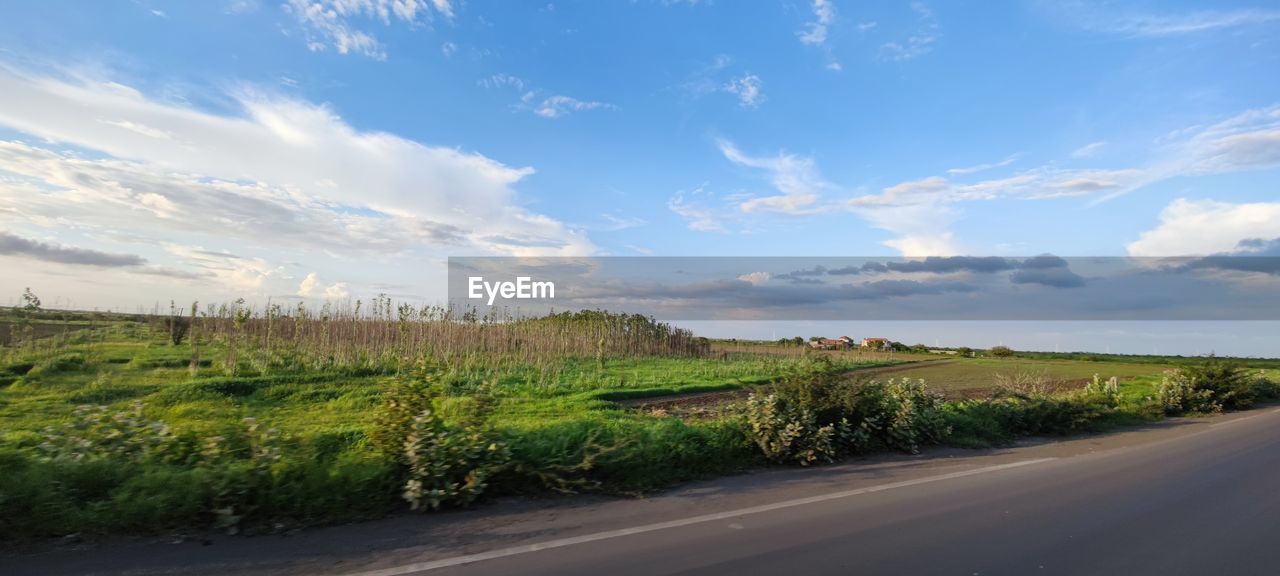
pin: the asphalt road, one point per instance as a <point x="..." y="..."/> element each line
<point x="1196" y="496"/>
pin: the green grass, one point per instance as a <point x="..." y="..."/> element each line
<point x="546" y="412"/>
<point x="982" y="373"/>
<point x="550" y="414"/>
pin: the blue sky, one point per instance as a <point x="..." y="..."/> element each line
<point x="342" y="148"/>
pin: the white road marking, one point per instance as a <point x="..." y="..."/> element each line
<point x="575" y="540"/>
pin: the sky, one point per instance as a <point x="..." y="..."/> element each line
<point x="333" y="149"/>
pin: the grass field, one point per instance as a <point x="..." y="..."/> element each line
<point x="553" y="413"/>
<point x="265" y="432"/>
<point x="985" y="373"/>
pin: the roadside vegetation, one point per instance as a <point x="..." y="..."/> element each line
<point x="252" y="420"/>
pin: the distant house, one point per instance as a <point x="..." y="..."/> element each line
<point x="875" y="342"/>
<point x="832" y="344"/>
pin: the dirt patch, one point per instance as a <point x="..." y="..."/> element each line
<point x="697" y="406"/>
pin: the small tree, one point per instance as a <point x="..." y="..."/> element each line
<point x="964" y="351"/>
<point x="30" y="302"/>
<point x="1002" y="351"/>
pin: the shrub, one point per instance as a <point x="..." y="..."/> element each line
<point x="789" y="433"/>
<point x="1212" y="386"/>
<point x="1229" y="383"/>
<point x="1265" y="390"/>
<point x="1002" y="418"/>
<point x="1108" y="390"/>
<point x="901" y="415"/>
<point x="443" y="463"/>
<point x="1177" y="393"/>
<point x="816" y="406"/>
<point x="1002" y="351"/>
<point x="404" y="399"/>
<point x="448" y="464"/>
<point x="1023" y="383"/>
<point x="94" y="433"/>
<point x="818" y="385"/>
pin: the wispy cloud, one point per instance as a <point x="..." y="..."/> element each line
<point x="747" y="88"/>
<point x="795" y="177"/>
<point x="1157" y="25"/>
<point x="984" y="167"/>
<point x="327" y="24"/>
<point x="815" y="31"/>
<point x="720" y="77"/>
<point x="502" y="81"/>
<point x="614" y="223"/>
<point x="538" y="101"/>
<point x="1088" y="150"/>
<point x="921" y="41"/>
<point x="559" y="105"/>
<point x="920" y="211"/>
<point x="698" y="216"/>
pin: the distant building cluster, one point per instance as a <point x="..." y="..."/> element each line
<point x="845" y="342"/>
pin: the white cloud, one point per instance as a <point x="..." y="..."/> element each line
<point x="815" y="32"/>
<point x="448" y="49"/>
<point x="558" y="105"/>
<point x="236" y="273"/>
<point x="1247" y="141"/>
<point x="328" y="23"/>
<point x="700" y="218"/>
<point x="502" y="81"/>
<point x="616" y="223"/>
<point x="337" y="291"/>
<point x="308" y="285"/>
<point x="1201" y="227"/>
<point x="796" y="177"/>
<point x="240" y="6"/>
<point x="747" y="88"/>
<point x="1250" y="140"/>
<point x="1156" y="25"/>
<point x="307" y="288"/>
<point x="1088" y="150"/>
<point x="282" y="175"/>
<point x="983" y="167"/>
<point x="756" y="278"/>
<point x="139" y="129"/>
<point x="553" y="106"/>
<point x="919" y="245"/>
<point x="919" y="42"/>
